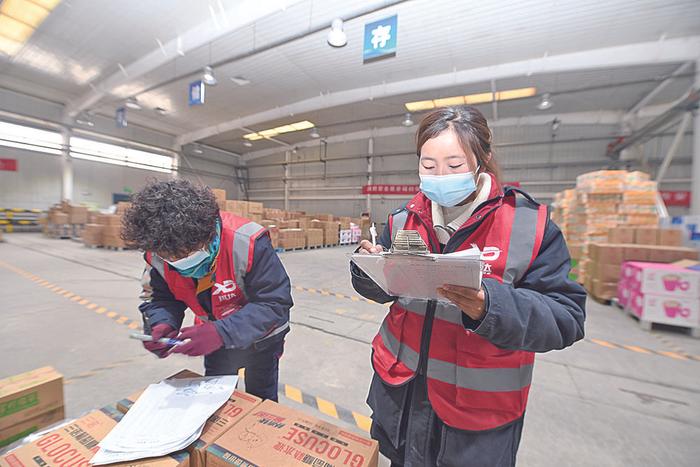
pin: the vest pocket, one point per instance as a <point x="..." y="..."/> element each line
<point x="387" y="404"/>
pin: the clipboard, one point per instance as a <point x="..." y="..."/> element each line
<point x="410" y="270"/>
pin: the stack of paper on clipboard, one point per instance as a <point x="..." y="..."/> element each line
<point x="410" y="270"/>
<point x="167" y="417"/>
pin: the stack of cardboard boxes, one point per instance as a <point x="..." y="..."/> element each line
<point x="244" y="431"/>
<point x="630" y="244"/>
<point x="28" y="402"/>
<point x="314" y="238"/>
<point x="111" y="230"/>
<point x="292" y="239"/>
<point x="603" y="200"/>
<point x="92" y="235"/>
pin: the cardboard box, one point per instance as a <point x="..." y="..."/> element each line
<point x="122" y="207"/>
<point x="290" y="239"/>
<point x="75" y="443"/>
<point x="255" y="208"/>
<point x="29" y="395"/>
<point x="220" y="198"/>
<point x="276" y="435"/>
<point x="109" y="219"/>
<point x="345" y="237"/>
<point x="111" y="236"/>
<point x="59" y="218"/>
<point x="324" y="217"/>
<point x="78" y="215"/>
<point x="646" y="236"/>
<point x="666" y="279"/>
<point x="314" y="237"/>
<point x="670" y="237"/>
<point x="621" y="235"/>
<point x="25" y="428"/>
<point x="240" y="208"/>
<point x="635" y="253"/>
<point x="669" y="310"/>
<point x="344" y="222"/>
<point x="575" y="250"/>
<point x="608" y="253"/>
<point x="92" y="234"/>
<point x="603" y="290"/>
<point x="605" y="272"/>
<point x="239" y="405"/>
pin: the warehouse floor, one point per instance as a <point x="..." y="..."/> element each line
<point x="621" y="397"/>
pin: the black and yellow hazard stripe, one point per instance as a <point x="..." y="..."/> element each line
<point x="326" y="407"/>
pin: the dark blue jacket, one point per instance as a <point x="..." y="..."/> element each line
<point x="269" y="300"/>
<point x="544" y="311"/>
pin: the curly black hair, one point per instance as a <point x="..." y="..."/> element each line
<point x="172" y="218"/>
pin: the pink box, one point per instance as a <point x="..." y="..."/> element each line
<point x="636" y="303"/>
<point x="667" y="309"/>
<point x="655" y="278"/>
<point x="624" y="291"/>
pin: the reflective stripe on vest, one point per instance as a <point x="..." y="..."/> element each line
<point x="522" y="241"/>
<point x="243" y="241"/>
<point x="445" y="311"/>
<point x="475" y="379"/>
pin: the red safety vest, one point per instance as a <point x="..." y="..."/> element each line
<point x="472" y="384"/>
<point x="237" y="247"/>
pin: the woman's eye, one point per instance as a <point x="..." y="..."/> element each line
<point x="428" y="168"/>
<point x="456" y="166"/>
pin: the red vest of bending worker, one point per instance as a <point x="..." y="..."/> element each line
<point x="237" y="246"/>
<point x="472" y="384"/>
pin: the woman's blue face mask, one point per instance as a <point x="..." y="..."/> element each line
<point x="198" y="264"/>
<point x="448" y="190"/>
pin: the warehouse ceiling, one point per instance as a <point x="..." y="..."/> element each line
<point x="90" y="55"/>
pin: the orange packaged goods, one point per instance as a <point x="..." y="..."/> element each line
<point x="276" y="435"/>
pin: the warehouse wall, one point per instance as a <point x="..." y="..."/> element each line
<point x="37" y="183"/>
<point x="527" y="154"/>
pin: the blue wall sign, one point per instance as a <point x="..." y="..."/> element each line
<point x="196" y="96"/>
<point x="380" y="39"/>
<point x="120" y="117"/>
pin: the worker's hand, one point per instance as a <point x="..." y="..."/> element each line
<point x="158" y="331"/>
<point x="472" y="302"/>
<point x="366" y="248"/>
<point x="201" y="340"/>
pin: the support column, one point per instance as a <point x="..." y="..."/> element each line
<point x="66" y="166"/>
<point x="695" y="184"/>
<point x="370" y="162"/>
<point x="287" y="160"/>
<point x="176" y="164"/>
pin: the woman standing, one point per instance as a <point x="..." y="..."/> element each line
<point x="452" y="378"/>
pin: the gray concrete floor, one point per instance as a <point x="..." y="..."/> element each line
<point x="596" y="404"/>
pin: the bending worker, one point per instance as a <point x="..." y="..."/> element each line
<point x="220" y="266"/>
<point x="451" y="378"/>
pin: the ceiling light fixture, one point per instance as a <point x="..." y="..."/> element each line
<point x="247" y="143"/>
<point x="18" y="21"/>
<point x="336" y="36"/>
<point x="407" y="121"/>
<point x="133" y="103"/>
<point x="272" y="132"/>
<point x="208" y="76"/>
<point x="314" y="133"/>
<point x="470" y="99"/>
<point x="546" y="102"/>
<point x="160" y="111"/>
<point x="197" y="150"/>
<point x="240" y="80"/>
<point x="85" y="120"/>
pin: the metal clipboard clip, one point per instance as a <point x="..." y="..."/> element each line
<point x="409" y="243"/>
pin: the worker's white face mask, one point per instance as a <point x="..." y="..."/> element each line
<point x="191" y="261"/>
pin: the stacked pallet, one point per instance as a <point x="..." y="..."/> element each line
<point x="605" y="200"/>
